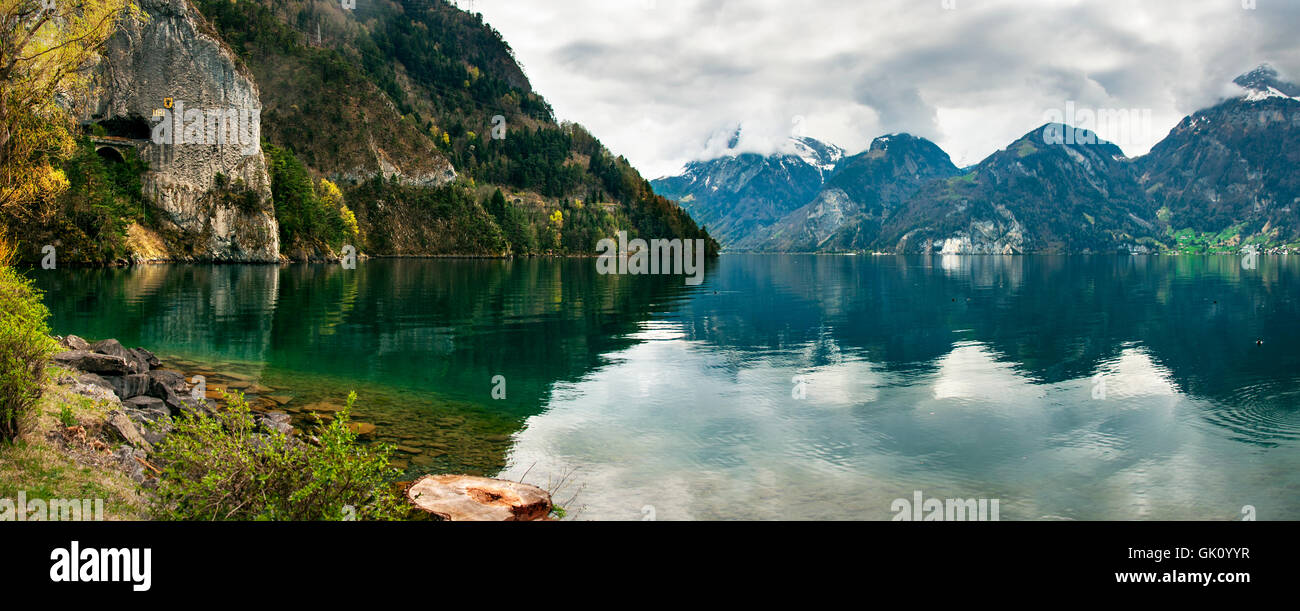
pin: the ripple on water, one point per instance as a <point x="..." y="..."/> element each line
<point x="1265" y="413"/>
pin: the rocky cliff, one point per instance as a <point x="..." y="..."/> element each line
<point x="168" y="86"/>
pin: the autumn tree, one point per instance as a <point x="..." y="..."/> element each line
<point x="47" y="50"/>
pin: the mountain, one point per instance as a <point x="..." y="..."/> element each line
<point x="399" y="127"/>
<point x="738" y="194"/>
<point x="1229" y="172"/>
<point x="1223" y="177"/>
<point x="847" y="212"/>
<point x="1264" y="82"/>
<point x="1055" y="189"/>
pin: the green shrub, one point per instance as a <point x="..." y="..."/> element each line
<point x="66" y="417"/>
<point x="25" y="349"/>
<point x="225" y="467"/>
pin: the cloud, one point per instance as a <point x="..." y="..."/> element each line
<point x="659" y="80"/>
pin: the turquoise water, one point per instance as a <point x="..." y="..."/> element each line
<point x="784" y="387"/>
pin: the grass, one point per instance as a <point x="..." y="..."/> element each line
<point x="44" y="465"/>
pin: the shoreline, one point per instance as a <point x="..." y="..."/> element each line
<point x="106" y="410"/>
<point x="722" y="253"/>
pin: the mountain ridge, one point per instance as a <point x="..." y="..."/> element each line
<point x="1221" y="178"/>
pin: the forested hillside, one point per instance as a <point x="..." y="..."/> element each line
<point x="419" y="112"/>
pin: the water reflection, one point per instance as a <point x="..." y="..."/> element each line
<point x="1084" y="388"/>
<point x="784" y="387"/>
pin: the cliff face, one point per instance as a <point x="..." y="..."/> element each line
<point x="207" y="175"/>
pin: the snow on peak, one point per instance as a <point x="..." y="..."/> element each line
<point x="816" y="153"/>
<point x="1263" y="83"/>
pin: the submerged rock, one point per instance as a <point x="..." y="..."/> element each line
<point x="362" y="429"/>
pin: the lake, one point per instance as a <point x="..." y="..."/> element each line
<point x="783" y="387"/>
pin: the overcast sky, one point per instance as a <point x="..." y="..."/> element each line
<point x="665" y="81"/>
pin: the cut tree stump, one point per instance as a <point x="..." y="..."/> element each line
<point x="465" y="498"/>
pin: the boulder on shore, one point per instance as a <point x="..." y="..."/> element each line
<point x="137" y="363"/>
<point x="72" y="342"/>
<point x="465" y="498"/>
<point x="130" y="386"/>
<point x="127" y="430"/>
<point x="93" y="362"/>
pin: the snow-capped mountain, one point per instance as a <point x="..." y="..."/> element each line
<point x="1226" y="175"/>
<point x="738" y="194"/>
<point x="1264" y="82"/>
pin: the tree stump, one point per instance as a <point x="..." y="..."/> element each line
<point x="465" y="498"/>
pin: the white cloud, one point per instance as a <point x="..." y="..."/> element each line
<point x="656" y="79"/>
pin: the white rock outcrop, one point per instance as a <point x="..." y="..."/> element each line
<point x="175" y="57"/>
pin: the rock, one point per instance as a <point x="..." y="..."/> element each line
<point x="323" y="406"/>
<point x="94" y="387"/>
<point x="137" y="68"/>
<point x="146" y="404"/>
<point x="258" y="389"/>
<point x="92" y="362"/>
<point x="465" y="498"/>
<point x="130" y="460"/>
<point x="154" y="424"/>
<point x="127" y="430"/>
<point x="164" y="384"/>
<point x="73" y="342"/>
<point x="147" y="413"/>
<point x="94" y="380"/>
<point x="146" y="357"/>
<point x="129" y="386"/>
<point x="362" y="429"/>
<point x="95" y="392"/>
<point x="177" y="402"/>
<point x="112" y="347"/>
<point x="280" y="399"/>
<point x="276" y="421"/>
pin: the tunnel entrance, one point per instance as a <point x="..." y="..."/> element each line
<point x="110" y="154"/>
<point x="132" y="127"/>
